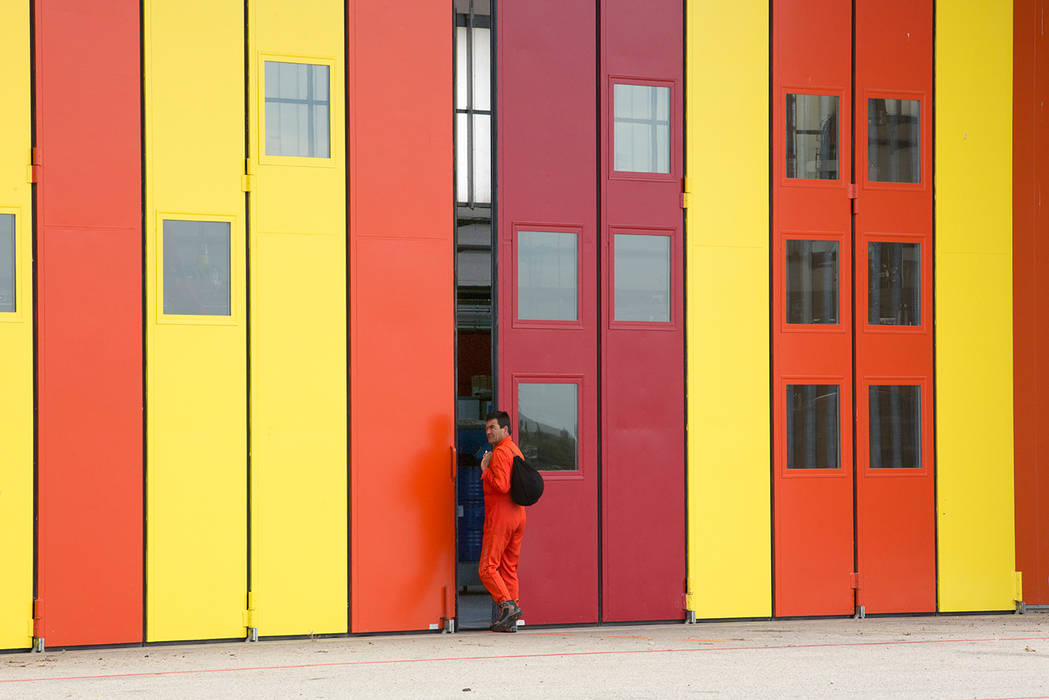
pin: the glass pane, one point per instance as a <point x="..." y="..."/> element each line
<point x="462" y="160"/>
<point x="482" y="148"/>
<point x="812" y="137"/>
<point x="812" y="282"/>
<point x="196" y="268"/>
<point x="474" y="268"/>
<point x="297" y="110"/>
<point x="895" y="427"/>
<point x="7" y="263"/>
<point x="813" y="420"/>
<point x="461" y="74"/>
<point x="894" y="140"/>
<point x="642" y="277"/>
<point x="894" y="284"/>
<point x="546" y="276"/>
<point x="642" y="128"/>
<point x="548" y="425"/>
<point x="482" y="68"/>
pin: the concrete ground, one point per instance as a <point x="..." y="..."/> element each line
<point x="992" y="656"/>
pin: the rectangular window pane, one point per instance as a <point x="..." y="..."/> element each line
<point x="546" y="276"/>
<point x="812" y="137"/>
<point x="894" y="284"/>
<point x="642" y="277"/>
<point x="197" y="268"/>
<point x="482" y="149"/>
<point x="642" y="128"/>
<point x="462" y="159"/>
<point x="298" y="114"/>
<point x="7" y="263"/>
<point x="548" y="425"/>
<point x="895" y="427"/>
<point x="812" y="282"/>
<point x="813" y="426"/>
<point x="893" y="140"/>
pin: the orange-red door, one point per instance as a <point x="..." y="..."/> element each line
<point x="812" y="307"/>
<point x="895" y="515"/>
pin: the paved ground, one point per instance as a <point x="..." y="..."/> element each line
<point x="1004" y="656"/>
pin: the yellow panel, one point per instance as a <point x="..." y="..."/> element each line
<point x="196" y="365"/>
<point x="727" y="221"/>
<point x="974" y="401"/>
<point x="298" y="341"/>
<point x="16" y="339"/>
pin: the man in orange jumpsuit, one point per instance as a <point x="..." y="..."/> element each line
<point x="504" y="522"/>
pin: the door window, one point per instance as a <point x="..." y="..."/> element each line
<point x="812" y="282"/>
<point x="548" y="425"/>
<point x="196" y="268"/>
<point x="813" y="426"/>
<point x="642" y="128"/>
<point x="547" y="272"/>
<point x="297" y="110"/>
<point x="7" y="263"/>
<point x="812" y="137"/>
<point x="893" y="140"/>
<point x="893" y="284"/>
<point x="895" y="427"/>
<point x="641" y="277"/>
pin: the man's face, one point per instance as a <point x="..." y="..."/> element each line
<point x="494" y="433"/>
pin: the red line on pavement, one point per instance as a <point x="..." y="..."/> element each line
<point x="519" y="656"/>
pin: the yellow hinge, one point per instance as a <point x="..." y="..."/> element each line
<point x="688" y="594"/>
<point x="30" y="174"/>
<point x="31" y="169"/>
<point x="686" y="190"/>
<point x="1019" y="594"/>
<point x="250" y="615"/>
<point x="247" y="180"/>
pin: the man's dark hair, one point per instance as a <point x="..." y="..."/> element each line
<point x="502" y="416"/>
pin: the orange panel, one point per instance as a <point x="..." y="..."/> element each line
<point x="402" y="328"/>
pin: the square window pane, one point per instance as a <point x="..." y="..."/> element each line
<point x="813" y="426"/>
<point x="298" y="114"/>
<point x="548" y="425"/>
<point x="895" y="427"/>
<point x="7" y="263"/>
<point x="812" y="282"/>
<point x="894" y="284"/>
<point x="812" y="137"/>
<point x="642" y="128"/>
<point x="546" y="276"/>
<point x="196" y="268"/>
<point x="894" y="140"/>
<point x="642" y="277"/>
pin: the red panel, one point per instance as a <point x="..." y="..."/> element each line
<point x="643" y="383"/>
<point x="813" y="541"/>
<point x="895" y="516"/>
<point x="547" y="155"/>
<point x="1030" y="290"/>
<point x="89" y="275"/>
<point x="402" y="323"/>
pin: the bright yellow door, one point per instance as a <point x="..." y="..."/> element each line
<point x="16" y="333"/>
<point x="298" y="317"/>
<point x="195" y="321"/>
<point x="727" y="223"/>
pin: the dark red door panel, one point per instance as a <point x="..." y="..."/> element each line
<point x="547" y="338"/>
<point x="89" y="276"/>
<point x="895" y="512"/>
<point x="642" y="320"/>
<point x="812" y="307"/>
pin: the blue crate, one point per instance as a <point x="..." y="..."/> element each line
<point x="470" y="488"/>
<point x="473" y="516"/>
<point x="469" y="545"/>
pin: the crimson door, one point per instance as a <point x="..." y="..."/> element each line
<point x="895" y="513"/>
<point x="642" y="344"/>
<point x="547" y="263"/>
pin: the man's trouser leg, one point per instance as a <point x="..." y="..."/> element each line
<point x="508" y="563"/>
<point x="493" y="545"/>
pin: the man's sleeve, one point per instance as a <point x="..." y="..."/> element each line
<point x="497" y="475"/>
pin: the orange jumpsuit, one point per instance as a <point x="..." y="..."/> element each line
<point x="504" y="523"/>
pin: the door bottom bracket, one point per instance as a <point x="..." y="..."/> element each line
<point x="253" y="634"/>
<point x="861" y="612"/>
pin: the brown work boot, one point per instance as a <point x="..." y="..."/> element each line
<point x="509" y="612"/>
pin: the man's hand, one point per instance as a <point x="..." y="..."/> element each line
<point x="486" y="460"/>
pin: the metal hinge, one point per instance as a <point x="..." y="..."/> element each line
<point x="247" y="180"/>
<point x="250" y="620"/>
<point x="1018" y="594"/>
<point x="854" y="195"/>
<point x="685" y="191"/>
<point x="36" y="625"/>
<point x="33" y="169"/>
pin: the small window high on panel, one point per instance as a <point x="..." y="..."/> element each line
<point x="547" y="271"/>
<point x="642" y="128"/>
<point x="548" y="425"/>
<point x="812" y="137"/>
<point x="894" y="284"/>
<point x="642" y="277"/>
<point x="196" y="268"/>
<point x="7" y="263"/>
<point x="297" y="110"/>
<point x="894" y="140"/>
<point x="813" y="426"/>
<point x="812" y="282"/>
